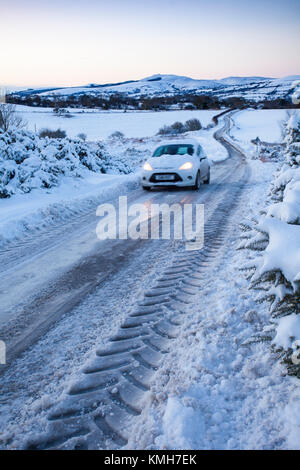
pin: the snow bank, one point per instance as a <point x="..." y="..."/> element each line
<point x="46" y="181"/>
<point x="28" y="162"/>
<point x="288" y="331"/>
<point x="39" y="210"/>
<point x="213" y="149"/>
<point x="289" y="209"/>
<point x="283" y="250"/>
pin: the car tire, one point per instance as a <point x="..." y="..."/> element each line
<point x="146" y="188"/>
<point x="207" y="181"/>
<point x="197" y="182"/>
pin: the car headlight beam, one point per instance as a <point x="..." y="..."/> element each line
<point x="186" y="166"/>
<point x="147" y="166"/>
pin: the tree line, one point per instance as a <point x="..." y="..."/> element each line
<point x="118" y="101"/>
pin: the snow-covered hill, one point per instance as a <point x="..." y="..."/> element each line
<point x="250" y="88"/>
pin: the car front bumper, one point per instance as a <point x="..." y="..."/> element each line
<point x="170" y="178"/>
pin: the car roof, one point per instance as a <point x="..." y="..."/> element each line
<point x="193" y="142"/>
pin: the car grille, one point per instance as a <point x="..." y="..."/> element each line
<point x="173" y="177"/>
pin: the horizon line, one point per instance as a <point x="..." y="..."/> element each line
<point x="139" y="79"/>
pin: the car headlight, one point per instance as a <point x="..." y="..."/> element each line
<point x="147" y="166"/>
<point x="186" y="166"/>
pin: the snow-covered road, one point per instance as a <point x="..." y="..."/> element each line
<point x="95" y="372"/>
<point x="46" y="274"/>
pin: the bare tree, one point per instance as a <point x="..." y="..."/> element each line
<point x="9" y="118"/>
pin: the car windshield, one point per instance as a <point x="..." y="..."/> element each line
<point x="174" y="149"/>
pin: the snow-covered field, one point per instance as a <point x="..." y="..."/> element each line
<point x="266" y="124"/>
<point x="98" y="125"/>
<point x="262" y="123"/>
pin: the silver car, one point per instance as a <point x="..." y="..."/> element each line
<point x="179" y="163"/>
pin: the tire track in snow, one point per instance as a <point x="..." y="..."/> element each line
<point x="100" y="407"/>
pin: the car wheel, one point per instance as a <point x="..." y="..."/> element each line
<point x="146" y="188"/>
<point x="207" y="181"/>
<point x="197" y="182"/>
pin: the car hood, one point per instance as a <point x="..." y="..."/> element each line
<point x="172" y="162"/>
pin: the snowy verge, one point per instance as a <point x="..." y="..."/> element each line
<point x="275" y="273"/>
<point x="282" y="252"/>
<point x="39" y="210"/>
<point x="213" y="149"/>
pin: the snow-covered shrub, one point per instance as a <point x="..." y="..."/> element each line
<point x="28" y="161"/>
<point x="268" y="152"/>
<point x="275" y="272"/>
<point x="193" y="125"/>
<point x="82" y="136"/>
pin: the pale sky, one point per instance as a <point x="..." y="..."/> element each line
<point x="76" y="42"/>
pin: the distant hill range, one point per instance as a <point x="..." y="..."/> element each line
<point x="250" y="89"/>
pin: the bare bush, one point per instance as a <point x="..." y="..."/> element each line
<point x="176" y="128"/>
<point x="57" y="134"/>
<point x="9" y="118"/>
<point x="179" y="128"/>
<point x="165" y="130"/>
<point x="193" y="125"/>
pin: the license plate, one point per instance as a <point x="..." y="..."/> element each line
<point x="164" y="177"/>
